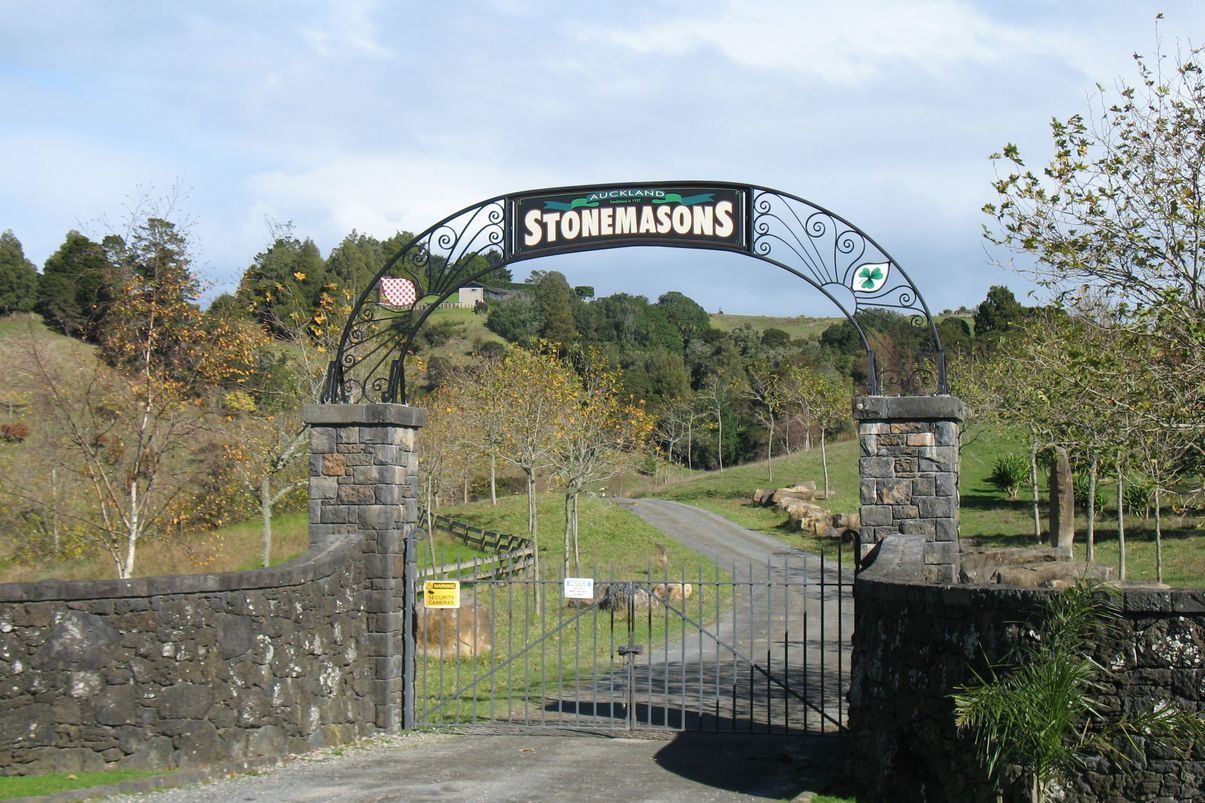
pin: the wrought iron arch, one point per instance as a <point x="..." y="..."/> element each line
<point x="818" y="246"/>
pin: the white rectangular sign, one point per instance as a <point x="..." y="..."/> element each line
<point x="579" y="588"/>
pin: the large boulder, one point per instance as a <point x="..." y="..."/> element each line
<point x="803" y="492"/>
<point x="674" y="592"/>
<point x="452" y="633"/>
<point x="807" y="517"/>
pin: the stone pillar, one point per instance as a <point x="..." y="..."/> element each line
<point x="1062" y="502"/>
<point x="909" y="474"/>
<point x="364" y="479"/>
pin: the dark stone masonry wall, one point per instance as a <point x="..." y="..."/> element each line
<point x="196" y="669"/>
<point x="187" y="670"/>
<point x="914" y="643"/>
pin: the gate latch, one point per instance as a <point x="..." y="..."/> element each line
<point x="635" y="649"/>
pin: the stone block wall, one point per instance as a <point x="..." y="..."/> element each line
<point x="186" y="670"/>
<point x="908" y="465"/>
<point x="364" y="480"/>
<point x="916" y="642"/>
<point x="195" y="669"/>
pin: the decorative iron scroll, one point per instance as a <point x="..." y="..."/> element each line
<point x="823" y="249"/>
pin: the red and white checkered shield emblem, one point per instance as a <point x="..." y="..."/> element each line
<point x="397" y="292"/>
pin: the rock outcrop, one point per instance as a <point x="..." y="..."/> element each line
<point x="1027" y="568"/>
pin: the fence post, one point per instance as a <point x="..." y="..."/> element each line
<point x="364" y="480"/>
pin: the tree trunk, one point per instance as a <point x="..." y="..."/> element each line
<point x="824" y="461"/>
<point x="577" y="558"/>
<point x="1062" y="503"/>
<point x="1121" y="522"/>
<point x="265" y="517"/>
<point x="493" y="480"/>
<point x="719" y="446"/>
<point x="1092" y="470"/>
<point x="126" y="570"/>
<point x="1158" y="538"/>
<point x="690" y="464"/>
<point x="568" y="529"/>
<point x="1033" y="488"/>
<point x="430" y="520"/>
<point x="55" y="532"/>
<point x="537" y="588"/>
<point x="770" y="451"/>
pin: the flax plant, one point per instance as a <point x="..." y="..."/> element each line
<point x="1042" y="708"/>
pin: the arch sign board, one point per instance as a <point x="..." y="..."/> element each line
<point x="818" y="246"/>
<point x="673" y="215"/>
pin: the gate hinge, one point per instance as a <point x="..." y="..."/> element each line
<point x="635" y="649"/>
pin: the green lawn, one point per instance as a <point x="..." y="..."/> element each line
<point x="612" y="539"/>
<point x="987" y="517"/>
<point x="15" y="786"/>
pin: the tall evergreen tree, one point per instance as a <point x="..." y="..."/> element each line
<point x="998" y="313"/>
<point x="684" y="313"/>
<point x="158" y="322"/>
<point x="282" y="286"/>
<point x="18" y="277"/>
<point x="355" y="261"/>
<point x="77" y="287"/>
<point x="555" y="299"/>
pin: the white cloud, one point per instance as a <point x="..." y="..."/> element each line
<point x="838" y="43"/>
<point x="377" y="194"/>
<point x="349" y="28"/>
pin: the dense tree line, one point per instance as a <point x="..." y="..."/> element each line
<point x="672" y="358"/>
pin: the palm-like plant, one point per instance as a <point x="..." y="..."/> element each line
<point x="1039" y="709"/>
<point x="1008" y="473"/>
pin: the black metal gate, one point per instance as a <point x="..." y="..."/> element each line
<point x="748" y="648"/>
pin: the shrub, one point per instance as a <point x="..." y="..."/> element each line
<point x="1079" y="486"/>
<point x="1139" y="497"/>
<point x="14" y="433"/>
<point x="1009" y="473"/>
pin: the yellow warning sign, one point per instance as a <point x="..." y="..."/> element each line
<point x="441" y="593"/>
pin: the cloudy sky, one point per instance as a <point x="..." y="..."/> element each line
<point x="381" y="116"/>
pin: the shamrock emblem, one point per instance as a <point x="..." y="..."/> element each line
<point x="869" y="278"/>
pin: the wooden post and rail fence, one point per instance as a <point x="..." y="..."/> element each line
<point x="513" y="554"/>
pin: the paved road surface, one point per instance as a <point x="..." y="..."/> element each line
<point x="563" y="765"/>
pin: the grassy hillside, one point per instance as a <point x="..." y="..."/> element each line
<point x="797" y="327"/>
<point x="612" y="539"/>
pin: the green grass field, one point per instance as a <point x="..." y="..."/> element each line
<point x="987" y="517"/>
<point x="17" y="786"/>
<point x="990" y="519"/>
<point x="799" y="327"/>
<point x="611" y="539"/>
